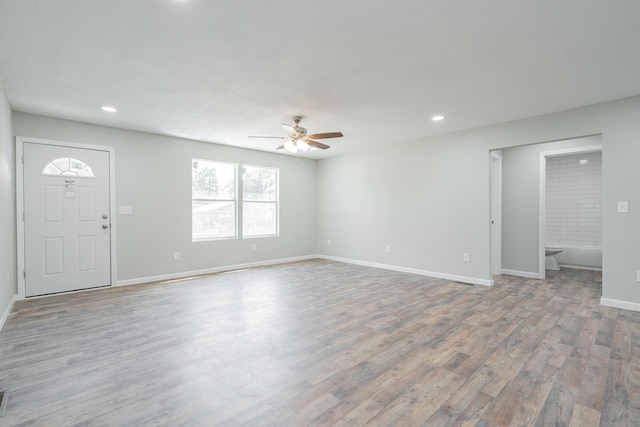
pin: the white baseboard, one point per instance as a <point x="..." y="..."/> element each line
<point x="527" y="274"/>
<point x="4" y="317"/>
<point x="626" y="305"/>
<point x="184" y="274"/>
<point x="452" y="277"/>
<point x="580" y="267"/>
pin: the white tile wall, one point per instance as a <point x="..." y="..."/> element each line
<point x="574" y="200"/>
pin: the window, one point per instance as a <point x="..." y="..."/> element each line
<point x="259" y="201"/>
<point x="67" y="166"/>
<point x="213" y="208"/>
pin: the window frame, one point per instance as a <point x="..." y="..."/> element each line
<point x="234" y="201"/>
<point x="275" y="202"/>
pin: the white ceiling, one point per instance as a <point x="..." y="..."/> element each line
<point x="376" y="70"/>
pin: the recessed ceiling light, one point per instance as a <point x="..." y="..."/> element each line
<point x="437" y="117"/>
<point x="108" y="109"/>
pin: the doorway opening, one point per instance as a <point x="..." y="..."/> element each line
<point x="570" y="209"/>
<point x="517" y="204"/>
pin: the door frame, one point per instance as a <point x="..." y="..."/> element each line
<point x="20" y="141"/>
<point x="542" y="192"/>
<point x="496" y="211"/>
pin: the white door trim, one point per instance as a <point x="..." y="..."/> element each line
<point x="20" y="141"/>
<point x="496" y="211"/>
<point x="542" y="197"/>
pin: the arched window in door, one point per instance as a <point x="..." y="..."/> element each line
<point x="67" y="166"/>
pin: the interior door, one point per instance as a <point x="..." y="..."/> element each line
<point x="67" y="241"/>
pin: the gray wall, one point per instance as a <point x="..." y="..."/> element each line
<point x="153" y="174"/>
<point x="521" y="204"/>
<point x="429" y="199"/>
<point x="422" y="199"/>
<point x="8" y="201"/>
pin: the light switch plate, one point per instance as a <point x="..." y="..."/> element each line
<point x="125" y="210"/>
<point x="623" y="207"/>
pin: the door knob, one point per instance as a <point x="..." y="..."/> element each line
<point x="104" y="217"/>
<point x="105" y="226"/>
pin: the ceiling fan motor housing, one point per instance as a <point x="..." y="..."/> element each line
<point x="299" y="129"/>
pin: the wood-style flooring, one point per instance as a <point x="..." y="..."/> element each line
<point x="321" y="343"/>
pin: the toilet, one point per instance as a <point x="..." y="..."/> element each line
<point x="550" y="261"/>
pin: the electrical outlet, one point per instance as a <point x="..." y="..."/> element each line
<point x="253" y="247"/>
<point x="387" y="249"/>
<point x="176" y="256"/>
<point x="623" y="207"/>
<point x="329" y="242"/>
<point x="465" y="257"/>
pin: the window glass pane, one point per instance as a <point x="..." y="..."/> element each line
<point x="76" y="165"/>
<point x="213" y="208"/>
<point x="62" y="163"/>
<point x="260" y="201"/>
<point x="259" y="219"/>
<point x="259" y="183"/>
<point x="213" y="180"/>
<point x="51" y="169"/>
<point x="213" y="219"/>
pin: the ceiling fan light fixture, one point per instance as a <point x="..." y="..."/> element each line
<point x="290" y="146"/>
<point x="302" y="145"/>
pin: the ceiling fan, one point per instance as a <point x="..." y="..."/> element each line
<point x="298" y="140"/>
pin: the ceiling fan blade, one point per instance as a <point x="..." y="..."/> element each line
<point x="326" y="135"/>
<point x="316" y="144"/>
<point x="277" y="137"/>
<point x="290" y="129"/>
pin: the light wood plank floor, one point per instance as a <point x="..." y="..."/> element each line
<point x="322" y="343"/>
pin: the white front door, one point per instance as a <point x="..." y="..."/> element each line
<point x="67" y="241"/>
